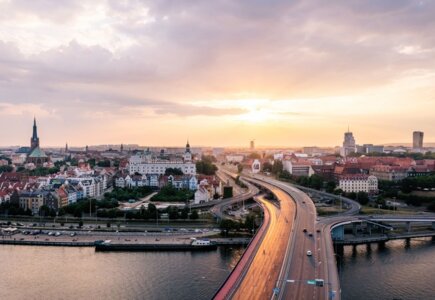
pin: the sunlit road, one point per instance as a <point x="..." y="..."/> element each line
<point x="299" y="268"/>
<point x="282" y="267"/>
<point x="259" y="281"/>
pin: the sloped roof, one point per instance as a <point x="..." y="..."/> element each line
<point x="37" y="153"/>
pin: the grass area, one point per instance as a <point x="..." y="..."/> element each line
<point x="429" y="194"/>
<point x="366" y="210"/>
<point x="326" y="211"/>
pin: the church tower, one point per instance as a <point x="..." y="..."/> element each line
<point x="187" y="155"/>
<point x="34" y="140"/>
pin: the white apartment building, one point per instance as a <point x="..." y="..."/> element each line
<point x="298" y="169"/>
<point x="358" y="183"/>
<point x="144" y="163"/>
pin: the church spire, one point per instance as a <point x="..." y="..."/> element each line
<point x="35" y="129"/>
<point x="34" y="140"/>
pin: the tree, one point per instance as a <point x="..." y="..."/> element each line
<point x="194" y="215"/>
<point x="172" y="212"/>
<point x="250" y="222"/>
<point x="330" y="186"/>
<point x="6" y="169"/>
<point x="267" y="167"/>
<point x="277" y="167"/>
<point x="228" y="225"/>
<point x="152" y="209"/>
<point x="104" y="163"/>
<point x="286" y="175"/>
<point x="44" y="210"/>
<point x="206" y="167"/>
<point x="185" y="213"/>
<point x="362" y="198"/>
<point x="173" y="171"/>
<point x="315" y="182"/>
<point x="92" y="162"/>
<point x="228" y="192"/>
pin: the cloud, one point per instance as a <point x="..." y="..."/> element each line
<point x="86" y="60"/>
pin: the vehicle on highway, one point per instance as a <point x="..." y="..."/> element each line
<point x="309" y="253"/>
<point x="51" y="233"/>
<point x="58" y="234"/>
<point x="73" y="234"/>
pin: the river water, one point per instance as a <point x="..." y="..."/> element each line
<point x="28" y="272"/>
<point x="399" y="270"/>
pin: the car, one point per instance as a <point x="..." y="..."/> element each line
<point x="51" y="233"/>
<point x="310" y="234"/>
<point x="73" y="234"/>
<point x="305" y="230"/>
<point x="303" y="202"/>
<point x="309" y="253"/>
<point x="58" y="233"/>
<point x="318" y="230"/>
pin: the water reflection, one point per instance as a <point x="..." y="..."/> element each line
<point x="81" y="273"/>
<point x="401" y="269"/>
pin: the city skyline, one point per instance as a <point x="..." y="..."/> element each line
<point x="250" y="146"/>
<point x="284" y="73"/>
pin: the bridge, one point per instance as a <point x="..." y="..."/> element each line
<point x="379" y="228"/>
<point x="278" y="265"/>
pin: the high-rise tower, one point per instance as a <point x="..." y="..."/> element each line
<point x="417" y="140"/>
<point x="349" y="145"/>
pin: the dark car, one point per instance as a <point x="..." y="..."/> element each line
<point x="310" y="234"/>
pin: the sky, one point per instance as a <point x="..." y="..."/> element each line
<point x="219" y="73"/>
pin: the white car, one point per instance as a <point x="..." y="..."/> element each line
<point x="309" y="253"/>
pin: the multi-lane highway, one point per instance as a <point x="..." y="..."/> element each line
<point x="262" y="270"/>
<point x="296" y="251"/>
<point x="299" y="270"/>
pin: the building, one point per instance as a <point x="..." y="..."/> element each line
<point x="358" y="183"/>
<point x="36" y="155"/>
<point x="298" y="168"/>
<point x="256" y="166"/>
<point x="370" y="148"/>
<point x="33" y="200"/>
<point x="389" y="173"/>
<point x="202" y="194"/>
<point x="145" y="163"/>
<point x="349" y="145"/>
<point x="179" y="181"/>
<point x="235" y="158"/>
<point x="417" y="140"/>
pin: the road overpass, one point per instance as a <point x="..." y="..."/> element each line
<point x="294" y="273"/>
<point x="256" y="275"/>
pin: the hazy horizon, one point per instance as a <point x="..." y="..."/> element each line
<point x="218" y="73"/>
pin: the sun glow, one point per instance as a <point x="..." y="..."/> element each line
<point x="256" y="116"/>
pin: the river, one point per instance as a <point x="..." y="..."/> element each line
<point x="399" y="270"/>
<point x="30" y="272"/>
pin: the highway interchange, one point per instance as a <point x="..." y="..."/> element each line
<point x="281" y="268"/>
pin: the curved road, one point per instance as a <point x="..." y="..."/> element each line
<point x="260" y="278"/>
<point x="299" y="268"/>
